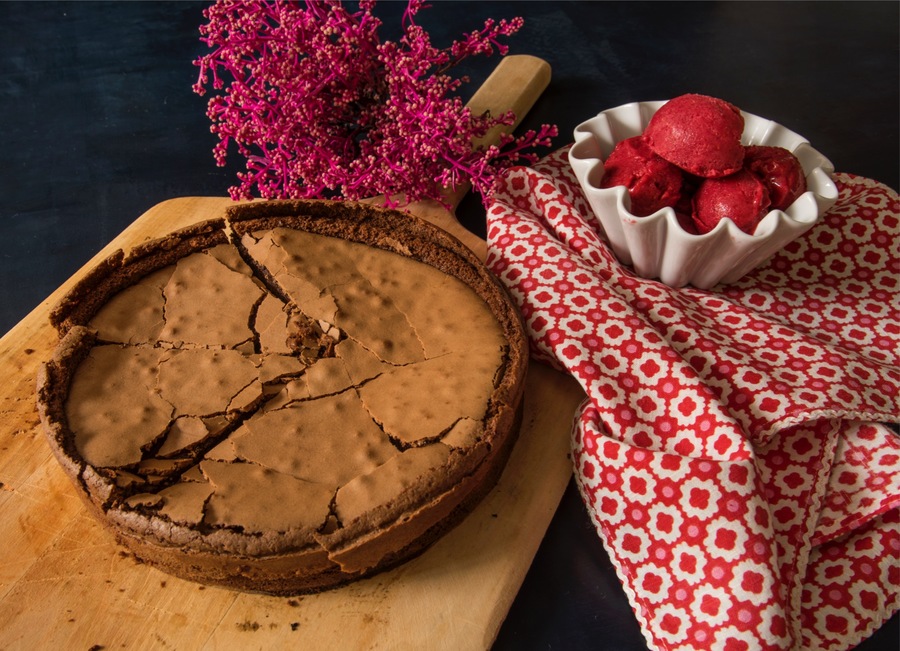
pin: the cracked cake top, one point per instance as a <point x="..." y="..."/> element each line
<point x="286" y="382"/>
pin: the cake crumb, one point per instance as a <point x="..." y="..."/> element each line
<point x="295" y="626"/>
<point x="247" y="625"/>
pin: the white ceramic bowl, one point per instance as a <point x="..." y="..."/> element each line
<point x="656" y="246"/>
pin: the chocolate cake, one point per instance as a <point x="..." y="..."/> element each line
<point x="287" y="399"/>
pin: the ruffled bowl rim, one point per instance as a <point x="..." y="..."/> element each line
<point x="656" y="245"/>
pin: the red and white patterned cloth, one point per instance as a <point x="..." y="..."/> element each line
<point x="729" y="449"/>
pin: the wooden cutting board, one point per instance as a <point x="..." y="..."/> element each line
<point x="65" y="583"/>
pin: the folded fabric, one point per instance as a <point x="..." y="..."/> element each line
<point x="730" y="449"/>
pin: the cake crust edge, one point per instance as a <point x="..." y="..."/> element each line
<point x="335" y="558"/>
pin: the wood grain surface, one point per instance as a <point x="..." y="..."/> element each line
<point x="65" y="583"/>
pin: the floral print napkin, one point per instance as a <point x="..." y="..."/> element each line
<point x="735" y="448"/>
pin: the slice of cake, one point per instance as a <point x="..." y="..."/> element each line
<point x="288" y="399"/>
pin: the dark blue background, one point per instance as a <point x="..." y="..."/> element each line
<point x="99" y="124"/>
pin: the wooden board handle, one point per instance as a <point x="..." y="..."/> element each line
<point x="514" y="85"/>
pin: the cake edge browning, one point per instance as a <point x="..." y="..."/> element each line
<point x="285" y="566"/>
<point x="118" y="270"/>
<point x="313" y="570"/>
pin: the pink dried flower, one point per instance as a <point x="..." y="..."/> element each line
<point x="320" y="107"/>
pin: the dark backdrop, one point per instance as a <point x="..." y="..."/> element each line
<point x="99" y="123"/>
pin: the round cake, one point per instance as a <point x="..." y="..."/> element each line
<point x="289" y="398"/>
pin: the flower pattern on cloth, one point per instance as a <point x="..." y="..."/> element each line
<point x="729" y="449"/>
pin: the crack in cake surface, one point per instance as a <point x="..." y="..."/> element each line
<point x="258" y="364"/>
<point x="381" y="365"/>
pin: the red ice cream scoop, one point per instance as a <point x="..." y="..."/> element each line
<point x="740" y="197"/>
<point x="651" y="181"/>
<point x="779" y="170"/>
<point x="699" y="134"/>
